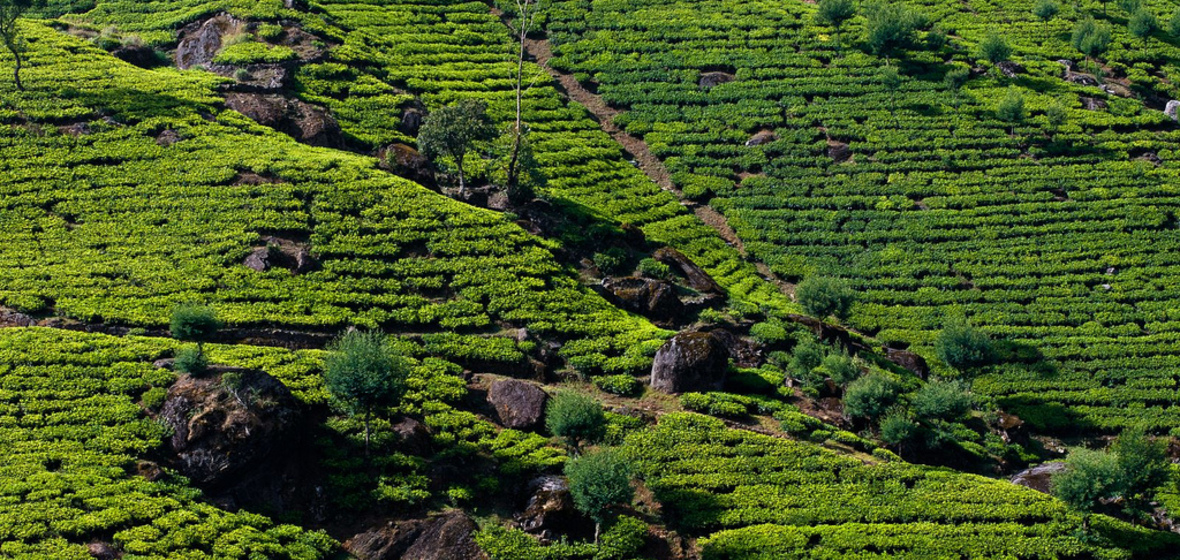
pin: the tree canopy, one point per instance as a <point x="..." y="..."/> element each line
<point x="363" y="372"/>
<point x="454" y="130"/>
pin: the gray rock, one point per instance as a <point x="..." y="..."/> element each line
<point x="200" y="41"/>
<point x="712" y="79"/>
<point x="908" y="360"/>
<point x="519" y="404"/>
<point x="1038" y="478"/>
<point x="1093" y="104"/>
<point x="654" y="299"/>
<point x="762" y="137"/>
<point x="449" y="536"/>
<point x="303" y="121"/>
<point x="1172" y="109"/>
<point x="839" y="151"/>
<point x="691" y="361"/>
<point x="1010" y="69"/>
<point x="550" y="509"/>
<point x="698" y="279"/>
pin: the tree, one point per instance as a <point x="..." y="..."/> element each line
<point x="523" y="17"/>
<point x="1046" y="10"/>
<point x="891" y="27"/>
<point x="1142" y="24"/>
<point x="598" y="481"/>
<point x="898" y="429"/>
<point x="364" y="372"/>
<point x="942" y="400"/>
<point x="870" y="396"/>
<point x="10" y="12"/>
<point x="193" y="322"/>
<point x="1130" y="6"/>
<point x="1174" y="24"/>
<point x="1091" y="39"/>
<point x="1056" y="116"/>
<point x="1144" y="464"/>
<point x="575" y="417"/>
<point x="963" y="346"/>
<point x="892" y="82"/>
<point x="1011" y="108"/>
<point x="821" y="296"/>
<point x="1089" y="476"/>
<point x="954" y="81"/>
<point x="841" y="368"/>
<point x="994" y="49"/>
<point x="454" y="130"/>
<point x="834" y="13"/>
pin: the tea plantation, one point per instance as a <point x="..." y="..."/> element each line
<point x="773" y="254"/>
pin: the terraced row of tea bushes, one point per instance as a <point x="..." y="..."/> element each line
<point x="1054" y="236"/>
<point x="104" y="223"/>
<point x="70" y="431"/>
<point x="756" y="496"/>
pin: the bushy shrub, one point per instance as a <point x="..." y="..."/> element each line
<point x="598" y="481"/>
<point x="822" y="296"/>
<point x="897" y="428"/>
<point x="963" y="346"/>
<point x="769" y="333"/>
<point x="191" y="361"/>
<point x="610" y="261"/>
<point x="655" y="269"/>
<point x="870" y="396"/>
<point x="840" y="368"/>
<point x="575" y="417"/>
<point x="192" y="322"/>
<point x="623" y="539"/>
<point x="943" y="400"/>
<point x="621" y="384"/>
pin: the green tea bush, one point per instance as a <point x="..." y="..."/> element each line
<point x="622" y="384"/>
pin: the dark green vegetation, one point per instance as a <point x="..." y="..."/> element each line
<point x="1020" y="242"/>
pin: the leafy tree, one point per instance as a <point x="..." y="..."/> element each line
<point x="891" y="79"/>
<point x="942" y="400"/>
<point x="364" y="372"/>
<point x="870" y="396"/>
<point x="1174" y="24"/>
<point x="841" y="368"/>
<point x="898" y="429"/>
<point x="1091" y="39"/>
<point x="834" y="13"/>
<point x="454" y="130"/>
<point x="892" y="27"/>
<point x="963" y="346"/>
<point x="10" y="12"/>
<point x="575" y="417"/>
<point x="193" y="322"/>
<point x="1011" y="108"/>
<point x="1089" y="476"/>
<point x="1130" y="6"/>
<point x="1046" y="10"/>
<point x="806" y="356"/>
<point x="1144" y="464"/>
<point x="954" y="81"/>
<point x="598" y="481"/>
<point x="191" y="361"/>
<point x="994" y="49"/>
<point x="1142" y="24"/>
<point x="1056" y="116"/>
<point x="821" y="296"/>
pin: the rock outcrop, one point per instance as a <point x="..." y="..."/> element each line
<point x="1038" y="478"/>
<point x="691" y="361"/>
<point x="449" y="536"/>
<point x="227" y="423"/>
<point x="698" y="279"/>
<point x="761" y="137"/>
<point x="405" y="161"/>
<point x="654" y="299"/>
<point x="710" y="80"/>
<point x="200" y="41"/>
<point x="1172" y="109"/>
<point x="303" y="121"/>
<point x="519" y="404"/>
<point x="908" y="360"/>
<point x="550" y="510"/>
<point x="281" y="253"/>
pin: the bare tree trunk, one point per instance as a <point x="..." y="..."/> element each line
<point x="597" y="527"/>
<point x="514" y="158"/>
<point x="16" y="71"/>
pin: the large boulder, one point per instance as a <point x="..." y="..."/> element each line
<point x="761" y="137"/>
<point x="1093" y="104"/>
<point x="449" y="536"/>
<point x="1040" y="477"/>
<point x="226" y="423"/>
<point x="550" y="509"/>
<point x="1172" y="109"/>
<point x="688" y="362"/>
<point x="710" y="80"/>
<point x="281" y="253"/>
<point x="1010" y="69"/>
<point x="654" y="299"/>
<point x="908" y="360"/>
<point x="404" y="161"/>
<point x="519" y="404"/>
<point x="200" y="41"/>
<point x="303" y="121"/>
<point x="698" y="279"/>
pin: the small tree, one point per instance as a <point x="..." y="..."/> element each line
<point x="1046" y="10"/>
<point x="1011" y="108"/>
<point x="898" y="429"/>
<point x="1142" y="24"/>
<point x="193" y="322"/>
<point x="523" y="18"/>
<point x="891" y="27"/>
<point x="1130" y="6"/>
<point x="598" y="481"/>
<point x="1144" y="464"/>
<point x="454" y="130"/>
<point x="994" y="49"/>
<point x="821" y="296"/>
<point x="1089" y="476"/>
<point x="1174" y="24"/>
<point x="10" y="12"/>
<point x="942" y="400"/>
<point x="1091" y="39"/>
<point x="891" y="79"/>
<point x="575" y="417"/>
<point x="834" y="13"/>
<point x="870" y="396"/>
<point x="364" y="372"/>
<point x="1056" y="116"/>
<point x="963" y="346"/>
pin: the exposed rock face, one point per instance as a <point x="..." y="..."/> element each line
<point x="839" y="151"/>
<point x="450" y="536"/>
<point x="103" y="551"/>
<point x="519" y="404"/>
<point x="1093" y="104"/>
<point x="258" y="77"/>
<point x="167" y="138"/>
<point x="200" y="41"/>
<point x="1081" y="79"/>
<point x="1039" y="477"/>
<point x="13" y="318"/>
<point x="744" y="351"/>
<point x="550" y="509"/>
<point x="404" y="161"/>
<point x="219" y="432"/>
<point x="1172" y="109"/>
<point x="698" y="279"/>
<point x="691" y="361"/>
<point x="305" y="122"/>
<point x="908" y="360"/>
<point x="413" y="436"/>
<point x="1010" y="69"/>
<point x="830" y="334"/>
<point x="654" y="299"/>
<point x="282" y="253"/>
<point x="762" y="137"/>
<point x="712" y="79"/>
<point x="412" y="119"/>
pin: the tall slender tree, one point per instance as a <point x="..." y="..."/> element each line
<point x="522" y="20"/>
<point x="10" y="12"/>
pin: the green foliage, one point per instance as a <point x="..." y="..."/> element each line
<point x="598" y="481"/>
<point x="610" y="261"/>
<point x="454" y="130"/>
<point x="364" y="372"/>
<point x="1011" y="107"/>
<point x="1056" y="115"/>
<point x="1046" y="10"/>
<point x="191" y="361"/>
<point x="1142" y="24"/>
<point x="10" y="12"/>
<point x="822" y="296"/>
<point x="834" y="12"/>
<point x="870" y="396"/>
<point x="942" y="400"/>
<point x="994" y="48"/>
<point x="194" y="322"/>
<point x="897" y="428"/>
<point x="892" y="27"/>
<point x="623" y="540"/>
<point x="1174" y="24"/>
<point x="841" y="368"/>
<point x="1089" y="476"/>
<point x="654" y="269"/>
<point x="621" y="384"/>
<point x="1144" y="464"/>
<point x="1091" y="38"/>
<point x="963" y="346"/>
<point x="253" y="53"/>
<point x="769" y="333"/>
<point x="575" y="417"/>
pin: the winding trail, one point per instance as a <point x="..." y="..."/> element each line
<point x="651" y="165"/>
